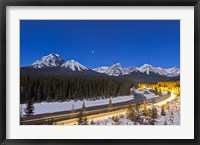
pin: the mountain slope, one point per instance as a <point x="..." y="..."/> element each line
<point x="139" y="77"/>
<point x="51" y="60"/>
<point x="74" y="65"/>
<point x="54" y="65"/>
<point x="59" y="71"/>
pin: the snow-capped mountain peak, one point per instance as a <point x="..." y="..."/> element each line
<point x="172" y="72"/>
<point x="54" y="60"/>
<point x="117" y="65"/>
<point x="169" y="72"/>
<point x="74" y="65"/>
<point x="130" y="70"/>
<point x="116" y="70"/>
<point x="101" y="69"/>
<point x="146" y="65"/>
<point x="146" y="68"/>
<point x="51" y="60"/>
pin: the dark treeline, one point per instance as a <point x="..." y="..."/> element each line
<point x="49" y="89"/>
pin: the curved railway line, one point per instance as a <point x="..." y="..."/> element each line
<point x="69" y="117"/>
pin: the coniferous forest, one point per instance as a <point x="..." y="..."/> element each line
<point x="99" y="72"/>
<point x="44" y="88"/>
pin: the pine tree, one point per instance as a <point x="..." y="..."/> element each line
<point x="92" y="122"/>
<point x="160" y="93"/>
<point x="165" y="123"/>
<point x="110" y="104"/>
<point x="116" y="120"/>
<point x="156" y="91"/>
<point x="83" y="106"/>
<point x="130" y="113"/>
<point x="51" y="88"/>
<point x="29" y="110"/>
<point x="144" y="108"/>
<point x="163" y="111"/>
<point x="154" y="115"/>
<point x="148" y="117"/>
<point x="171" y="118"/>
<point x="138" y="112"/>
<point x="82" y="119"/>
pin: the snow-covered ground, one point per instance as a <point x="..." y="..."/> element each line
<point x="168" y="119"/>
<point x="176" y="117"/>
<point x="50" y="107"/>
<point x="41" y="108"/>
<point x="110" y="121"/>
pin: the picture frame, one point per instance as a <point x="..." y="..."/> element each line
<point x="3" y="53"/>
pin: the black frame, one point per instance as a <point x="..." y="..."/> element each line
<point x="4" y="3"/>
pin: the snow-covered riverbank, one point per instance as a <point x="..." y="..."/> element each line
<point x="44" y="107"/>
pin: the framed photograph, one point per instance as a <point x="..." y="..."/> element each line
<point x="99" y="72"/>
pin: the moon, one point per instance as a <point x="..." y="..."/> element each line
<point x="93" y="51"/>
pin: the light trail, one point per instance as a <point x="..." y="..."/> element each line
<point x="102" y="116"/>
<point x="46" y="118"/>
<point x="173" y="96"/>
<point x="96" y="117"/>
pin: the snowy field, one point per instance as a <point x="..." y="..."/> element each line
<point x="42" y="108"/>
<point x="168" y="119"/>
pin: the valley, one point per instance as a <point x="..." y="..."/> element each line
<point x="58" y="92"/>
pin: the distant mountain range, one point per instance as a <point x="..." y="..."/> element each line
<point x="53" y="64"/>
<point x="118" y="69"/>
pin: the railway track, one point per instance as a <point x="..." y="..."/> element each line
<point x="90" y="111"/>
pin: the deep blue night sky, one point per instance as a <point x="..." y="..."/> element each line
<point x="96" y="43"/>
